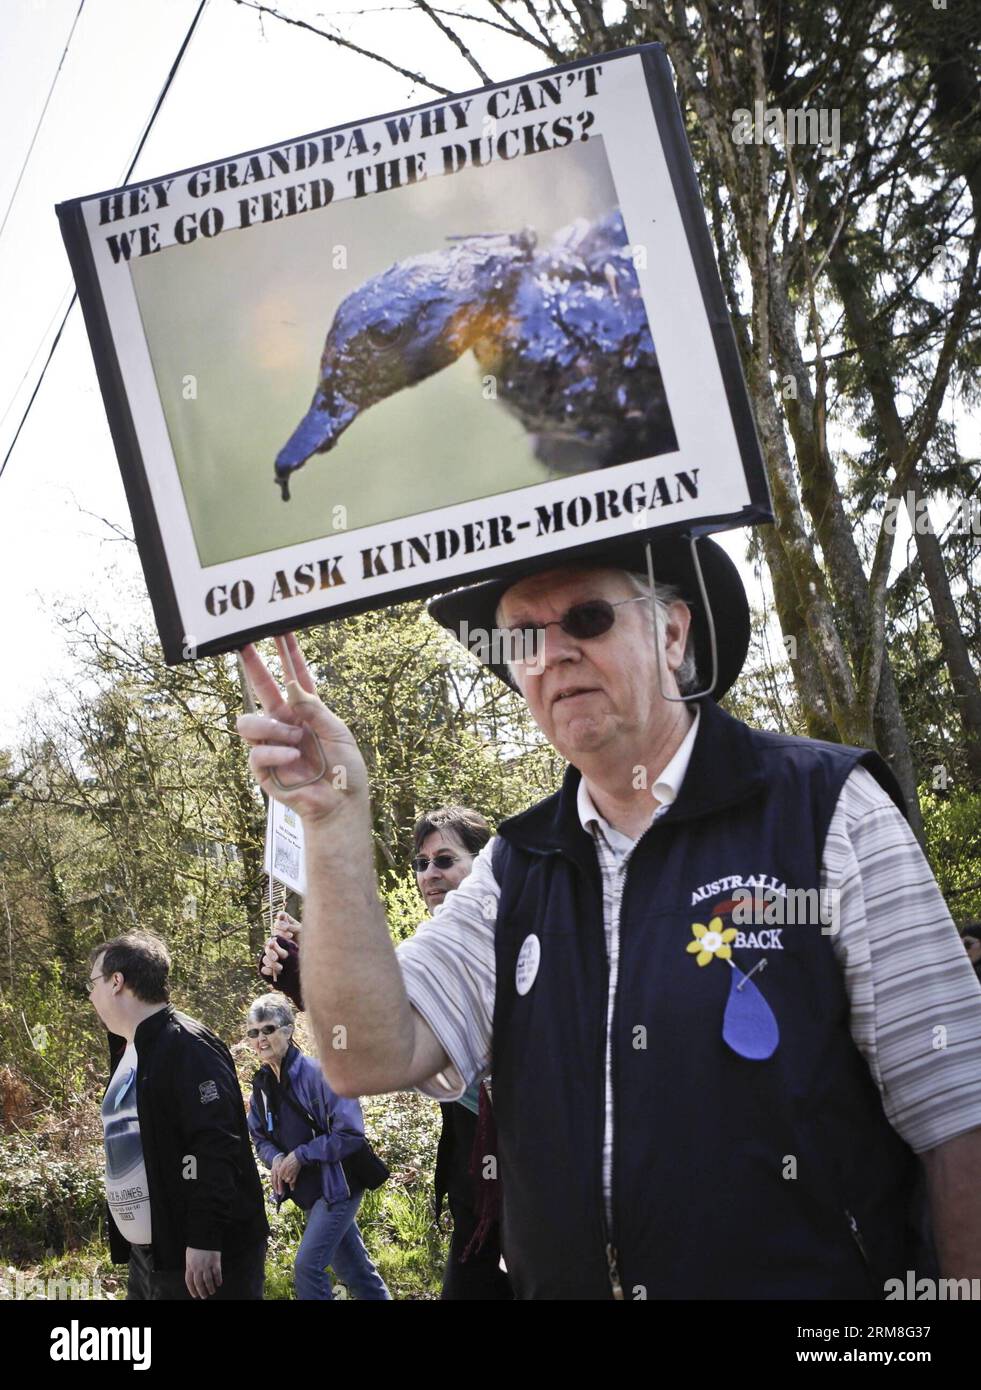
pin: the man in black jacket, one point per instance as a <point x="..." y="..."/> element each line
<point x="183" y="1192"/>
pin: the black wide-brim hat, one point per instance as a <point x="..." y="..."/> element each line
<point x="476" y="605"/>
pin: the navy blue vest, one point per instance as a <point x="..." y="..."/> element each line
<point x="731" y="1178"/>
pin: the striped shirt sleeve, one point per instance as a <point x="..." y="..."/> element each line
<point x="915" y="999"/>
<point x="448" y="971"/>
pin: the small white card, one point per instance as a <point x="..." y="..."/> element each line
<point x="284" y="859"/>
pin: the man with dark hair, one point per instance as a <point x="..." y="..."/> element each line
<point x="144" y="962"/>
<point x="184" y="1196"/>
<point x="468" y="826"/>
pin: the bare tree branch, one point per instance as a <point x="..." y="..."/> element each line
<point x="575" y="28"/>
<point x="591" y="18"/>
<point x="453" y="37"/>
<point x="416" y="77"/>
<point x="529" y="6"/>
<point x="511" y="26"/>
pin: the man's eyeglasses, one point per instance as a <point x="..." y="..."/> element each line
<point x="442" y="862"/>
<point x="92" y="980"/>
<point x="265" y="1030"/>
<point x="582" y="621"/>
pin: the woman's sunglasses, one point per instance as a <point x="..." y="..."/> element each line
<point x="442" y="861"/>
<point x="582" y="621"/>
<point x="265" y="1030"/>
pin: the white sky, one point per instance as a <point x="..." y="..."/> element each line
<point x="245" y="81"/>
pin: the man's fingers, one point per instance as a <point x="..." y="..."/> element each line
<point x="202" y="1272"/>
<point x="270" y="967"/>
<point x="300" y="667"/>
<point x="290" y="723"/>
<point x="262" y="728"/>
<point x="288" y="720"/>
<point x="285" y="660"/>
<point x="267" y="692"/>
<point x="267" y="755"/>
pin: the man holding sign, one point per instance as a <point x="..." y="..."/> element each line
<point x="700" y="1090"/>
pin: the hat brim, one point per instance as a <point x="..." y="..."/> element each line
<point x="476" y="606"/>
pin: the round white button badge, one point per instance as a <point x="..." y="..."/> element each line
<point x="527" y="967"/>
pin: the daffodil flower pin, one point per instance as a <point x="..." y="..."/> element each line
<point x="712" y="940"/>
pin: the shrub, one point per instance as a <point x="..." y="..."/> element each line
<point x="49" y="1202"/>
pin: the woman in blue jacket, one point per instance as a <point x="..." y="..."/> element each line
<point x="302" y="1131"/>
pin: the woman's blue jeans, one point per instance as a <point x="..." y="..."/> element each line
<point x="332" y="1238"/>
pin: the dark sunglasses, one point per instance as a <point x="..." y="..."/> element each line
<point x="442" y="861"/>
<point x="582" y="621"/>
<point x="265" y="1030"/>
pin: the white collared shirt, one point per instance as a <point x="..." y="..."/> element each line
<point x="664" y="791"/>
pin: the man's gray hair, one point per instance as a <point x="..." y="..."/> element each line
<point x="272" y="1008"/>
<point x="686" y="674"/>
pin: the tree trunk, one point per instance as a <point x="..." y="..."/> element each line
<point x="846" y="575"/>
<point x="963" y="678"/>
<point x="967" y="689"/>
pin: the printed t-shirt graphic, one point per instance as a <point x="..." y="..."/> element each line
<point x="126" y="1185"/>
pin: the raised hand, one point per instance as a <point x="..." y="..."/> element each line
<point x="318" y="768"/>
<point x="286" y="925"/>
<point x="274" y="955"/>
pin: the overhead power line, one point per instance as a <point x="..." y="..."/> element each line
<point x="126" y="178"/>
<point x="40" y="119"/>
<point x="36" y="355"/>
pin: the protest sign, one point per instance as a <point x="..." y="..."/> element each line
<point x="284" y="860"/>
<point x="385" y="359"/>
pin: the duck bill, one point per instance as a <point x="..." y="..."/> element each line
<point x="318" y="431"/>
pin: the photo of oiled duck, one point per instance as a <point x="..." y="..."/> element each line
<point x="561" y="332"/>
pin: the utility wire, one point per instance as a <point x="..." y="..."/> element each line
<point x="126" y="178"/>
<point x="37" y="352"/>
<point x="47" y="364"/>
<point x="40" y="119"/>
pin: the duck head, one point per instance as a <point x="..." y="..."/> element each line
<point x="402" y="326"/>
